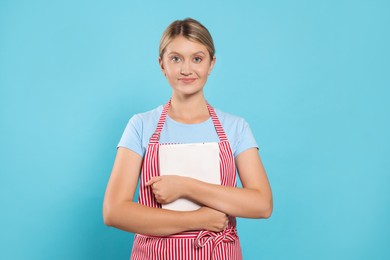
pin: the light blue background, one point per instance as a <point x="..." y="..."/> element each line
<point x="311" y="78"/>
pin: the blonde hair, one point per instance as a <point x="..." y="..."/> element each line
<point x="190" y="29"/>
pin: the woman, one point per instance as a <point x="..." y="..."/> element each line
<point x="186" y="59"/>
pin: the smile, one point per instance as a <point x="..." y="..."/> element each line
<point x="187" y="80"/>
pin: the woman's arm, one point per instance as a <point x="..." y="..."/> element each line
<point x="254" y="200"/>
<point x="121" y="212"/>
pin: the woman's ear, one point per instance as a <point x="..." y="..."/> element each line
<point x="212" y="63"/>
<point x="160" y="61"/>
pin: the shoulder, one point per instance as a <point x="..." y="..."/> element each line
<point x="139" y="129"/>
<point x="237" y="131"/>
<point x="146" y="118"/>
<point x="229" y="120"/>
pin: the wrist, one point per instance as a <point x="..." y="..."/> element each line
<point x="194" y="220"/>
<point x="186" y="187"/>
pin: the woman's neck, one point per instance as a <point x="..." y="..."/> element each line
<point x="190" y="110"/>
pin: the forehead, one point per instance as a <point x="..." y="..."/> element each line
<point x="184" y="46"/>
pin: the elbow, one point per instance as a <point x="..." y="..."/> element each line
<point x="268" y="212"/>
<point x="107" y="220"/>
<point x="108" y="217"/>
<point x="265" y="211"/>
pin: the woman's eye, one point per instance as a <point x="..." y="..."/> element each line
<point x="197" y="59"/>
<point x="175" y="59"/>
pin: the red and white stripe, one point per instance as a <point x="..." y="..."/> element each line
<point x="191" y="245"/>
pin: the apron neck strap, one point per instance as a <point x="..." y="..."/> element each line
<point x="156" y="135"/>
<point x="154" y="139"/>
<point x="217" y="124"/>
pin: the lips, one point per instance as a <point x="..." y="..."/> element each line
<point x="187" y="80"/>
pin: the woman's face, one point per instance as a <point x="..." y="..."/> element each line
<point x="186" y="65"/>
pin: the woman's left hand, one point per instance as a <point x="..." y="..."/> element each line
<point x="167" y="188"/>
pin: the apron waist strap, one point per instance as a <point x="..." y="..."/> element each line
<point x="203" y="237"/>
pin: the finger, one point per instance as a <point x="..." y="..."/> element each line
<point x="151" y="181"/>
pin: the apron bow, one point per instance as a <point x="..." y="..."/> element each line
<point x="205" y="236"/>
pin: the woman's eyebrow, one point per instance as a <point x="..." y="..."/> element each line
<point x="173" y="52"/>
<point x="199" y="52"/>
<point x="176" y="53"/>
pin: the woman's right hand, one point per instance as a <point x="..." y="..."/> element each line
<point x="212" y="219"/>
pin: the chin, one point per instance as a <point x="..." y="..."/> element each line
<point x="187" y="90"/>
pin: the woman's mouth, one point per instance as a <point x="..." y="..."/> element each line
<point x="187" y="80"/>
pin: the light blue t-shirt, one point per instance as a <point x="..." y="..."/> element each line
<point x="141" y="126"/>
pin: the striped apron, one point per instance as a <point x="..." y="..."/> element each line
<point x="189" y="245"/>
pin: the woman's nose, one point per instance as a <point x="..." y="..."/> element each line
<point x="186" y="68"/>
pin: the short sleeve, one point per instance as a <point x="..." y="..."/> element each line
<point x="132" y="136"/>
<point x="245" y="138"/>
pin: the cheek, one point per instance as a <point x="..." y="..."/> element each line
<point x="205" y="71"/>
<point x="171" y="70"/>
<point x="171" y="75"/>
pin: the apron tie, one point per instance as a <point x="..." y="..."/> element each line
<point x="204" y="237"/>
